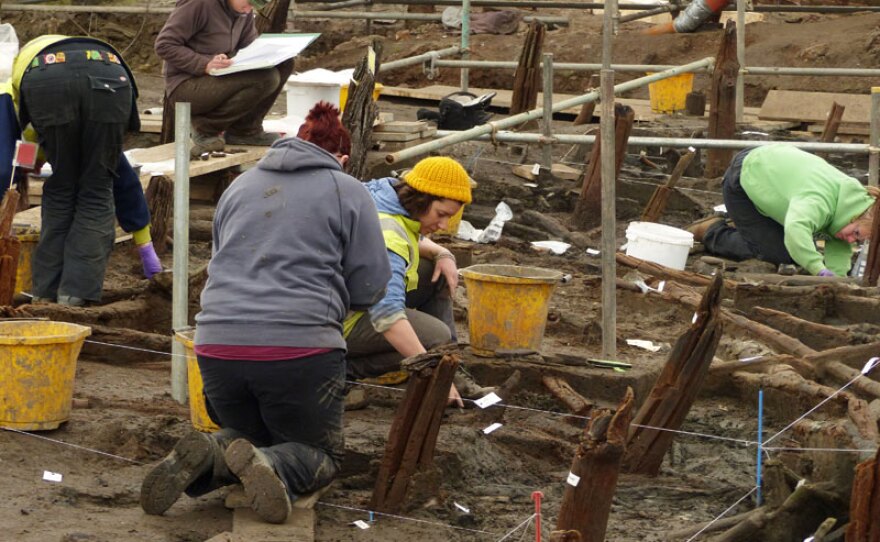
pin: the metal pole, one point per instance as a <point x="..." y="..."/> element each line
<point x="609" y="218"/>
<point x="467" y="135"/>
<point x="740" y="58"/>
<point x="401" y="16"/>
<point x="677" y="142"/>
<point x="547" y="119"/>
<point x="759" y="463"/>
<point x="465" y="40"/>
<point x="558" y="66"/>
<point x="874" y="157"/>
<point x="833" y="72"/>
<point x="180" y="281"/>
<point x="418" y="59"/>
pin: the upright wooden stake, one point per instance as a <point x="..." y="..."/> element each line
<point x="832" y="123"/>
<point x="160" y="200"/>
<point x="526" y="79"/>
<point x="872" y="266"/>
<point x="864" y="507"/>
<point x="677" y="386"/>
<point x="360" y="113"/>
<point x="592" y="481"/>
<point x="722" y="101"/>
<point x="10" y="247"/>
<point x="588" y="209"/>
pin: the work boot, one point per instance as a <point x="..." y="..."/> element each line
<point x="71" y="301"/>
<point x="262" y="485"/>
<point x="467" y="387"/>
<point x="263" y="139"/>
<point x="700" y="227"/>
<point x="203" y="143"/>
<point x="192" y="456"/>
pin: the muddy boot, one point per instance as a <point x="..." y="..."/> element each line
<point x="203" y="143"/>
<point x="262" y="486"/>
<point x="192" y="457"/>
<point x="467" y="387"/>
<point x="262" y="139"/>
<point x="700" y="227"/>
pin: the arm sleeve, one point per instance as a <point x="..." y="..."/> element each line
<point x="183" y="23"/>
<point x="392" y="307"/>
<point x="802" y="221"/>
<point x="838" y="256"/>
<point x="248" y="35"/>
<point x="364" y="263"/>
<point x="132" y="212"/>
<point x="9" y="134"/>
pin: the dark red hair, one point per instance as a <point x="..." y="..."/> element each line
<point x="323" y="128"/>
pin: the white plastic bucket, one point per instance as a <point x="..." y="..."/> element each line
<point x="306" y="89"/>
<point x="659" y="243"/>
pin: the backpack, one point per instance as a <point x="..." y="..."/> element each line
<point x="459" y="111"/>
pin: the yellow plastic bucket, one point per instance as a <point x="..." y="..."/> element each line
<point x="669" y="95"/>
<point x="343" y="94"/>
<point x="37" y="369"/>
<point x="507" y="306"/>
<point x="24" y="273"/>
<point x="198" y="412"/>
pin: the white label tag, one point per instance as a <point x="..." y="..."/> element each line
<point x="593" y="252"/>
<point x="873" y="362"/>
<point x="491" y="428"/>
<point x="362" y="524"/>
<point x="750" y="359"/>
<point x="487" y="400"/>
<point x="694" y="319"/>
<point x="462" y="508"/>
<point x="536" y="169"/>
<point x="52" y="476"/>
<point x="573" y="479"/>
<point x="661" y="286"/>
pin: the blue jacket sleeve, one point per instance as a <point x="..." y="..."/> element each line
<point x="364" y="263"/>
<point x="394" y="302"/>
<point x="132" y="212"/>
<point x="9" y="134"/>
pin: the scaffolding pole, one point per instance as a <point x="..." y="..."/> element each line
<point x="874" y="157"/>
<point x="465" y="41"/>
<point x="740" y="58"/>
<point x="402" y="16"/>
<point x="609" y="189"/>
<point x="418" y="59"/>
<point x="180" y="278"/>
<point x="514" y="120"/>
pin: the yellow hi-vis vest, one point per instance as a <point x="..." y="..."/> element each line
<point x="402" y="238"/>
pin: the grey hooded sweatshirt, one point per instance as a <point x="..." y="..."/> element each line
<point x="297" y="243"/>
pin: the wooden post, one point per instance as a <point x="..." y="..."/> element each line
<point x="832" y="123"/>
<point x="563" y="391"/>
<point x="722" y="100"/>
<point x="588" y="209"/>
<point x="160" y="200"/>
<point x="655" y="207"/>
<point x="677" y="386"/>
<point x="864" y="507"/>
<point x="10" y="247"/>
<point x="273" y="17"/>
<point x="872" y="266"/>
<point x="816" y="336"/>
<point x="592" y="481"/>
<point x="413" y="433"/>
<point x="526" y="79"/>
<point x="360" y="113"/>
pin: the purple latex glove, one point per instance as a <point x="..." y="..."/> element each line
<point x="151" y="262"/>
<point x="826" y="273"/>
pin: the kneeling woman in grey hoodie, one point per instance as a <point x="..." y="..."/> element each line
<point x="297" y="244"/>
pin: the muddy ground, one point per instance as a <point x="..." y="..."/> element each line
<point x="132" y="421"/>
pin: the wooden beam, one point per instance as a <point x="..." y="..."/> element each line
<point x="722" y="100"/>
<point x="657" y="204"/>
<point x="527" y="77"/>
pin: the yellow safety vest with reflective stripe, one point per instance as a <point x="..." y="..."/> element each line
<point x="401" y="236"/>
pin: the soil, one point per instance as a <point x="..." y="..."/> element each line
<point x="130" y="420"/>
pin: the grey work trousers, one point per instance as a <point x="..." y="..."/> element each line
<point x="429" y="311"/>
<point x="235" y="103"/>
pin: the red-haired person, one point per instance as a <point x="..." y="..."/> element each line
<point x="297" y="244"/>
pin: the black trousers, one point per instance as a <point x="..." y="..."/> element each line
<point x="291" y="410"/>
<point x="80" y="108"/>
<point x="754" y="235"/>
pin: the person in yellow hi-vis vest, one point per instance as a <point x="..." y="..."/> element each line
<point x="416" y="312"/>
<point x="80" y="98"/>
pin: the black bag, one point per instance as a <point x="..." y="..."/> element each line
<point x="459" y="111"/>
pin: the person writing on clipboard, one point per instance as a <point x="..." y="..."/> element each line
<point x="203" y="35"/>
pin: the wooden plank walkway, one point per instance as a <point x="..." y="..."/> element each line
<point x="813" y="107"/>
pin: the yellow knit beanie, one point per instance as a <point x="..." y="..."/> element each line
<point x="441" y="176"/>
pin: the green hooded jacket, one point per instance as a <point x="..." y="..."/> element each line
<point x="808" y="196"/>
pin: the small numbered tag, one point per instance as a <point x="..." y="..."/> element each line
<point x="52" y="476"/>
<point x="592" y="252"/>
<point x="573" y="479"/>
<point x="873" y="362"/>
<point x="491" y="428"/>
<point x="661" y="285"/>
<point x="694" y="319"/>
<point x="462" y="508"/>
<point x="487" y="400"/>
<point x="361" y="524"/>
<point x="536" y="169"/>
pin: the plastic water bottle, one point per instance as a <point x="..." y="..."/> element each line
<point x="858" y="269"/>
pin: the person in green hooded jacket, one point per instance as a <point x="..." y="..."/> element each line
<point x="779" y="200"/>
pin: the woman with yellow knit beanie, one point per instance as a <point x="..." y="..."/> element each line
<point x="416" y="312"/>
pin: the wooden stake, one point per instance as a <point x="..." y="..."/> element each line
<point x="832" y="123"/>
<point x="360" y="113"/>
<point x="722" y="100"/>
<point x="677" y="386"/>
<point x="10" y="247"/>
<point x="816" y="336"/>
<point x="872" y="266"/>
<point x="273" y="17"/>
<point x="160" y="200"/>
<point x="864" y="507"/>
<point x="572" y="400"/>
<point x="658" y="201"/>
<point x="527" y="77"/>
<point x="588" y="209"/>
<point x="586" y="502"/>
